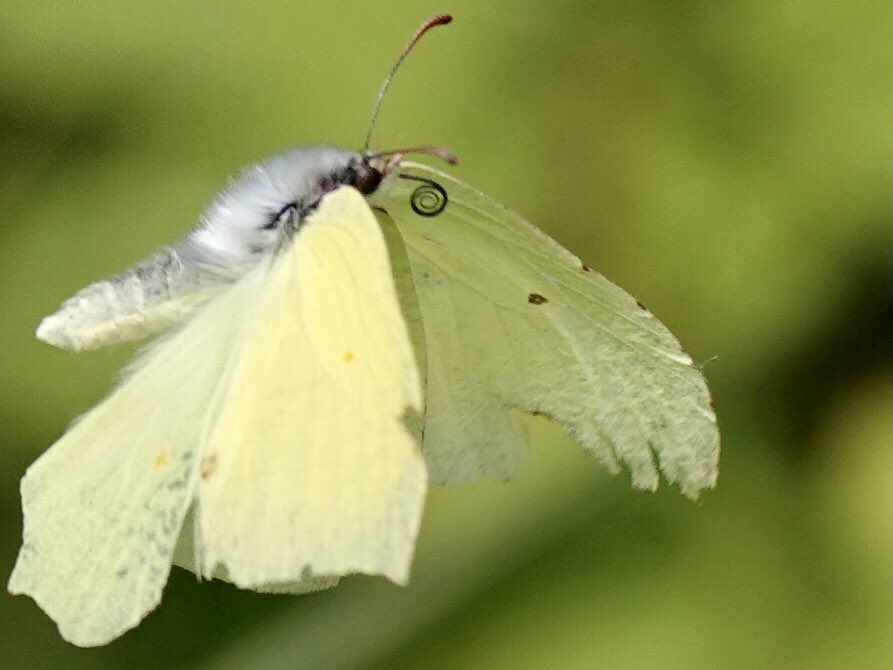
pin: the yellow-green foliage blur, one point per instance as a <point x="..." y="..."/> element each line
<point x="727" y="163"/>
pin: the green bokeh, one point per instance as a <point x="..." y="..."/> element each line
<point x="727" y="163"/>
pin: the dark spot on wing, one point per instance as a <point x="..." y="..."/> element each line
<point x="536" y="299"/>
<point x="641" y="306"/>
<point x="379" y="209"/>
<point x="209" y="466"/>
<point x="587" y="267"/>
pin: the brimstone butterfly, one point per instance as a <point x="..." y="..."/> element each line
<point x="344" y="329"/>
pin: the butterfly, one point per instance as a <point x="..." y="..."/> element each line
<point x="342" y="329"/>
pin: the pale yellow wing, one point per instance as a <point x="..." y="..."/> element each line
<point x="311" y="470"/>
<point x="515" y="322"/>
<point x="185" y="553"/>
<point x="103" y="506"/>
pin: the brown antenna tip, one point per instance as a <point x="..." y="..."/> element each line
<point x="439" y="20"/>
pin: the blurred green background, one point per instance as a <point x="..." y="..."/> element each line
<point x="727" y="163"/>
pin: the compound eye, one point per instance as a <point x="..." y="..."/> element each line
<point x="368" y="179"/>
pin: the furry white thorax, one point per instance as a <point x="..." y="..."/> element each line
<point x="234" y="230"/>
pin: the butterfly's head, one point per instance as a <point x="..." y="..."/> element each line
<point x="365" y="172"/>
<point x="368" y="169"/>
<point x="269" y="201"/>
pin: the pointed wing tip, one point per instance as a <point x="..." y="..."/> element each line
<point x="691" y="489"/>
<point x="396" y="570"/>
<point x="18" y="584"/>
<point x="646" y="479"/>
<point x="13" y="589"/>
<point x="398" y="576"/>
<point x="70" y="629"/>
<point x="692" y="486"/>
<point x="690" y="482"/>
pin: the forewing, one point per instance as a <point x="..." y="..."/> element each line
<point x="104" y="505"/>
<point x="513" y="321"/>
<point x="311" y="470"/>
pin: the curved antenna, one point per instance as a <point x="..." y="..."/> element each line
<point x="445" y="155"/>
<point x="439" y="20"/>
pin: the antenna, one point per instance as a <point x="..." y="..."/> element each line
<point x="439" y="20"/>
<point x="438" y="152"/>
